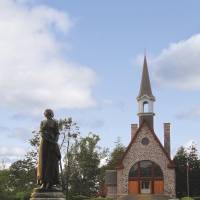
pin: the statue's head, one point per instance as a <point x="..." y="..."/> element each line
<point x="48" y="113"/>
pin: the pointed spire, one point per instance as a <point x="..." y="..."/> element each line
<point x="145" y="85"/>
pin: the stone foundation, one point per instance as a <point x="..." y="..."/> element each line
<point x="54" y="195"/>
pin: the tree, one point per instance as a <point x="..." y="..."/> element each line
<point x="112" y="162"/>
<point x="116" y="155"/>
<point x="194" y="170"/>
<point x="4" y="177"/>
<point x="32" y="155"/>
<point x="193" y="157"/>
<point x="180" y="160"/>
<point x="187" y="159"/>
<point x="22" y="176"/>
<point x="84" y="158"/>
<point x="69" y="130"/>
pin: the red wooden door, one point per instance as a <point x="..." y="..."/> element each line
<point x="133" y="187"/>
<point x="158" y="186"/>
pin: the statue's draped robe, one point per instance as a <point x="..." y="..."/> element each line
<point x="49" y="153"/>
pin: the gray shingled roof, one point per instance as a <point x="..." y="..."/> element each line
<point x="145" y="85"/>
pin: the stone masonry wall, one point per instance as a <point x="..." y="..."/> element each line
<point x="139" y="152"/>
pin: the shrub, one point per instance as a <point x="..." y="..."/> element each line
<point x="6" y="196"/>
<point x="187" y="198"/>
<point x="22" y="196"/>
<point x="100" y="198"/>
<point x="80" y="197"/>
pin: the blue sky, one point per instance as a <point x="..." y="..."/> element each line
<point x="84" y="60"/>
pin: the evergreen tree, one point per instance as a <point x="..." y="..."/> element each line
<point x="180" y="160"/>
<point x="116" y="155"/>
<point x="187" y="159"/>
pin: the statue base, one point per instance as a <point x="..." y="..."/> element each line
<point x="47" y="195"/>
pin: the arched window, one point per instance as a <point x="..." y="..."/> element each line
<point x="134" y="171"/>
<point x="145" y="106"/>
<point x="144" y="169"/>
<point x="157" y="171"/>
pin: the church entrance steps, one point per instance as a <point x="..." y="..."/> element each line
<point x="151" y="197"/>
<point x="144" y="197"/>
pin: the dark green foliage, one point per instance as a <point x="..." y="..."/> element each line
<point x="84" y="158"/>
<point x="180" y="159"/>
<point x="22" y="176"/>
<point x="187" y="198"/>
<point x="116" y="155"/>
<point x="113" y="160"/>
<point x="80" y="197"/>
<point x="6" y="196"/>
<point x="4" y="177"/>
<point x="5" y="193"/>
<point x="22" y="196"/>
<point x="22" y="173"/>
<point x="100" y="198"/>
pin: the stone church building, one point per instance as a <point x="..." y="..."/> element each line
<point x="146" y="166"/>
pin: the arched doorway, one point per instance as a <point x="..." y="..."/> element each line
<point x="145" y="177"/>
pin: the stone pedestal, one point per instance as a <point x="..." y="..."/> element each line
<point x="47" y="195"/>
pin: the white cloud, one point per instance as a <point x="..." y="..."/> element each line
<point x="20" y="133"/>
<point x="9" y="155"/>
<point x="91" y="123"/>
<point x="34" y="74"/>
<point x="12" y="152"/>
<point x="192" y="113"/>
<point x="179" y="65"/>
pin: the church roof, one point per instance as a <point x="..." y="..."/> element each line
<point x="145" y="85"/>
<point x="120" y="164"/>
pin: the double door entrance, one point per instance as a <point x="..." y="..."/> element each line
<point x="140" y="186"/>
<point x="145" y="187"/>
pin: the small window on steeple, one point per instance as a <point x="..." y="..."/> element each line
<point x="145" y="106"/>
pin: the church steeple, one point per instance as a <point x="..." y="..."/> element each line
<point x="145" y="85"/>
<point x="145" y="98"/>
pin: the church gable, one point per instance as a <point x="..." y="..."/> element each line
<point x="145" y="146"/>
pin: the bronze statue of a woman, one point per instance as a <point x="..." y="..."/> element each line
<point x="49" y="152"/>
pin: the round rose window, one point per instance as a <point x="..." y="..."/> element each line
<point x="145" y="141"/>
